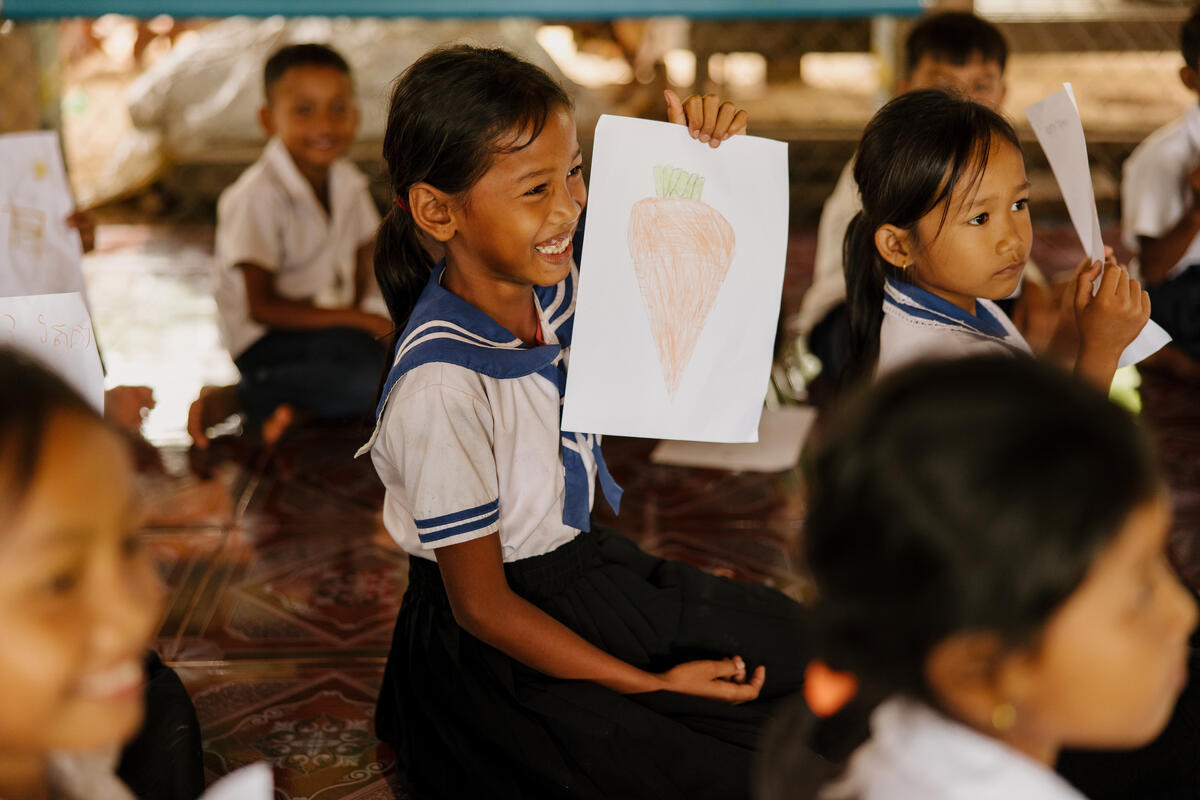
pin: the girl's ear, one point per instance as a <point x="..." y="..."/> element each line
<point x="963" y="673"/>
<point x="430" y="208"/>
<point x="895" y="245"/>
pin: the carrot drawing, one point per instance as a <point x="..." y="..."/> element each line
<point x="681" y="248"/>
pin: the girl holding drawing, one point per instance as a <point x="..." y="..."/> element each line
<point x="999" y="600"/>
<point x="536" y="654"/>
<point x="945" y="231"/>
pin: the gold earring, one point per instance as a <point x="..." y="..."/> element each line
<point x="1004" y="717"/>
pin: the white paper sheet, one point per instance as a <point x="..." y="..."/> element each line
<point x="39" y="252"/>
<point x="253" y="782"/>
<point x="57" y="331"/>
<point x="781" y="435"/>
<point x="678" y="299"/>
<point x="1056" y="123"/>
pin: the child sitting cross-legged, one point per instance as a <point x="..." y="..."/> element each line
<point x="293" y="260"/>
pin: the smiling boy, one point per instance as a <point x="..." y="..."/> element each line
<point x="293" y="259"/>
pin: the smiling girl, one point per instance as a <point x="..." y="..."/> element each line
<point x="78" y="596"/>
<point x="536" y="653"/>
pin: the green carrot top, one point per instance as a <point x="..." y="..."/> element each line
<point x="674" y="182"/>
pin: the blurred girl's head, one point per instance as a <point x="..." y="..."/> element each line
<point x="482" y="155"/>
<point x="78" y="597"/>
<point x="988" y="535"/>
<point x="945" y="207"/>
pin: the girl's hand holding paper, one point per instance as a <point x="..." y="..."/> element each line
<point x="1056" y="123"/>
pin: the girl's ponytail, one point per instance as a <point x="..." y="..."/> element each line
<point x="402" y="265"/>
<point x="864" y="297"/>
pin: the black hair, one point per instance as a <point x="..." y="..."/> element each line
<point x="452" y="112"/>
<point x="962" y="495"/>
<point x="954" y="37"/>
<point x="299" y="55"/>
<point x="937" y="506"/>
<point x="1189" y="39"/>
<point x="915" y="152"/>
<point x="32" y="397"/>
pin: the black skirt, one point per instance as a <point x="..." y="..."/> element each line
<point x="466" y="720"/>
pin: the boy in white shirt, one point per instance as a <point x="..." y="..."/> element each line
<point x="1160" y="217"/>
<point x="293" y="260"/>
<point x="955" y="50"/>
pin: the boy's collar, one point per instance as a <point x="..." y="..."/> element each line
<point x="297" y="186"/>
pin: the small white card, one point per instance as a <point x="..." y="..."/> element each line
<point x="1056" y="123"/>
<point x="781" y="436"/>
<point x="56" y="330"/>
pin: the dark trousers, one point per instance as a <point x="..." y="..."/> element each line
<point x="164" y="761"/>
<point x="1175" y="305"/>
<point x="330" y="374"/>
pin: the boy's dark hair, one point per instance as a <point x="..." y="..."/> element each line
<point x="33" y="396"/>
<point x="299" y="55"/>
<point x="937" y="507"/>
<point x="451" y="113"/>
<point x="954" y="37"/>
<point x="904" y="170"/>
<point x="1189" y="39"/>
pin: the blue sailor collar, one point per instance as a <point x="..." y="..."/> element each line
<point x="913" y="301"/>
<point x="444" y="328"/>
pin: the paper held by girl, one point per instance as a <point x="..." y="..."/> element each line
<point x="680" y="279"/>
<point x="1059" y="130"/>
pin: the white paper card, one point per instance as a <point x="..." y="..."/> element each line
<point x="56" y="330"/>
<point x="39" y="252"/>
<point x="679" y="295"/>
<point x="1056" y="124"/>
<point x="253" y="782"/>
<point x="781" y="435"/>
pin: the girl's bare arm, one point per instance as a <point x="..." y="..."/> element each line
<point x="486" y="607"/>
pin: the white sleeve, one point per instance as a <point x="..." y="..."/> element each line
<point x="1151" y="197"/>
<point x="829" y="271"/>
<point x="367" y="217"/>
<point x="250" y="229"/>
<point x="441" y="440"/>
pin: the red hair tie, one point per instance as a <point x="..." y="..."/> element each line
<point x="827" y="691"/>
<point x="401" y="204"/>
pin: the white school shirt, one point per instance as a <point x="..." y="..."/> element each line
<point x="271" y="217"/>
<point x="828" y="288"/>
<point x="918" y="326"/>
<point x="467" y="440"/>
<point x="1155" y="192"/>
<point x="916" y="753"/>
<point x="829" y="273"/>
